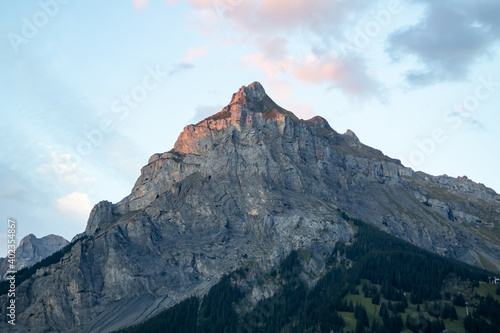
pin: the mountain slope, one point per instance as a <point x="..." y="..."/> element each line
<point x="292" y="306"/>
<point x="244" y="188"/>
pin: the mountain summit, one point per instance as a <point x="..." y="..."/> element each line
<point x="254" y="98"/>
<point x="252" y="93"/>
<point x="32" y="249"/>
<point x="243" y="189"/>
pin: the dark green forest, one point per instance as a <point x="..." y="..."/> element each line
<point x="399" y="276"/>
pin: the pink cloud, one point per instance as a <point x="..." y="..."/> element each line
<point x="271" y="25"/>
<point x="269" y="66"/>
<point x="348" y="74"/>
<point x="195" y="53"/>
<point x="313" y="70"/>
<point x="138" y="4"/>
<point x="285" y="10"/>
<point x="201" y="4"/>
<point x="267" y="16"/>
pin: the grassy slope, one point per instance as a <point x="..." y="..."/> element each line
<point x="453" y="326"/>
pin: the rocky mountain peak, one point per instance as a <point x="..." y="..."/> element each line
<point x="250" y="108"/>
<point x="32" y="249"/>
<point x="30" y="238"/>
<point x="351" y="134"/>
<point x="100" y="216"/>
<point x="242" y="189"/>
<point x="252" y="93"/>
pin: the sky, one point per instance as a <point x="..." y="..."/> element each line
<point x="89" y="90"/>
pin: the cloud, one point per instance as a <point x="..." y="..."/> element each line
<point x="195" y="53"/>
<point x="350" y="75"/>
<point x="75" y="203"/>
<point x="270" y="16"/>
<point x="465" y="117"/>
<point x="314" y="70"/>
<point x="273" y="47"/>
<point x="269" y="66"/>
<point x="138" y="4"/>
<point x="450" y="38"/>
<point x="180" y="67"/>
<point x="66" y="168"/>
<point x="285" y="31"/>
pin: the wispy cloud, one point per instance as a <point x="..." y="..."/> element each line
<point x="273" y="26"/>
<point x="138" y="4"/>
<point x="271" y="67"/>
<point x="348" y="75"/>
<point x="66" y="168"/>
<point x="180" y="67"/>
<point x="270" y="16"/>
<point x="195" y="53"/>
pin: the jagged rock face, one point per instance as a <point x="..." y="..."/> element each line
<point x="32" y="249"/>
<point x="243" y="188"/>
<point x="100" y="216"/>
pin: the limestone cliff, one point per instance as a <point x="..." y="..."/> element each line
<point x="243" y="188"/>
<point x="32" y="249"/>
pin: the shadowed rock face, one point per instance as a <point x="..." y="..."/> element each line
<point x="32" y="249"/>
<point x="243" y="188"/>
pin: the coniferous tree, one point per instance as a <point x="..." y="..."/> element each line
<point x="365" y="290"/>
<point x="389" y="306"/>
<point x="376" y="299"/>
<point x="361" y="315"/>
<point x="383" y="312"/>
<point x="449" y="312"/>
<point x="395" y="324"/>
<point x="459" y="300"/>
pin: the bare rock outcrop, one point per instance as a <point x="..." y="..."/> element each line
<point x="32" y="249"/>
<point x="243" y="188"/>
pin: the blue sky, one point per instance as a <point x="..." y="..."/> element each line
<point x="89" y="90"/>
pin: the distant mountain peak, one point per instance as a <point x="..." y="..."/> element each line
<point x="32" y="249"/>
